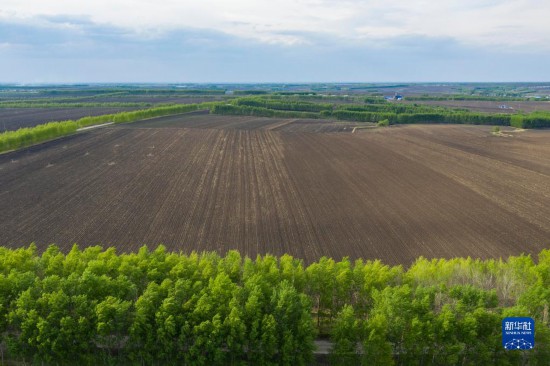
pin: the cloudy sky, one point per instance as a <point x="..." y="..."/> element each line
<point x="273" y="41"/>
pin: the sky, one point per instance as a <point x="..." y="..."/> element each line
<point x="248" y="41"/>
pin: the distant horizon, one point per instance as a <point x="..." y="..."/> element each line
<point x="77" y="83"/>
<point x="245" y="41"/>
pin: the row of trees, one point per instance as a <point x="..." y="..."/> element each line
<point x="442" y="116"/>
<point x="97" y="306"/>
<point x="532" y="120"/>
<point x="11" y="140"/>
<point x="376" y="110"/>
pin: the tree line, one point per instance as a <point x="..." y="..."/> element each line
<point x="374" y="112"/>
<point x="444" y="116"/>
<point x="533" y="120"/>
<point x="156" y="307"/>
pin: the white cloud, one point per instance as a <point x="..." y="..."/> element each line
<point x="518" y="24"/>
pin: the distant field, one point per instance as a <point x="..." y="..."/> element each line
<point x="14" y="118"/>
<point x="155" y="99"/>
<point x="204" y="120"/>
<point x="204" y="182"/>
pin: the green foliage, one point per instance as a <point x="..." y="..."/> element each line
<point x="532" y="120"/>
<point x="383" y="123"/>
<point x="375" y="110"/>
<point x="345" y="335"/>
<point x="11" y="140"/>
<point x="153" y="307"/>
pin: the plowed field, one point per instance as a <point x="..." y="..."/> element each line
<point x="264" y="186"/>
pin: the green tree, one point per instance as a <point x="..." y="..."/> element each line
<point x="345" y="336"/>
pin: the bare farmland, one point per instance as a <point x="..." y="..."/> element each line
<point x="202" y="119"/>
<point x="262" y="185"/>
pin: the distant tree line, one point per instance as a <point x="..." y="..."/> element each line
<point x="423" y="117"/>
<point x="153" y="307"/>
<point x="532" y="120"/>
<point x="373" y="112"/>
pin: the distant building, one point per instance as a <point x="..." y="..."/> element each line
<point x="395" y="97"/>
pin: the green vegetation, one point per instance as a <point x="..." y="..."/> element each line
<point x="496" y="129"/>
<point x="375" y="110"/>
<point x="95" y="306"/>
<point x="532" y="120"/>
<point x="384" y="123"/>
<point x="11" y="140"/>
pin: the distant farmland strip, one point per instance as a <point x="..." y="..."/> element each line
<point x="10" y="140"/>
<point x="55" y="104"/>
<point x="12" y="119"/>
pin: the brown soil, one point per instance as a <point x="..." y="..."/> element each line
<point x="215" y="184"/>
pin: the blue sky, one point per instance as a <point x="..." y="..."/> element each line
<point x="282" y="41"/>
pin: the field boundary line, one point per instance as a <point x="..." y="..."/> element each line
<point x="94" y="126"/>
<point x="275" y="126"/>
